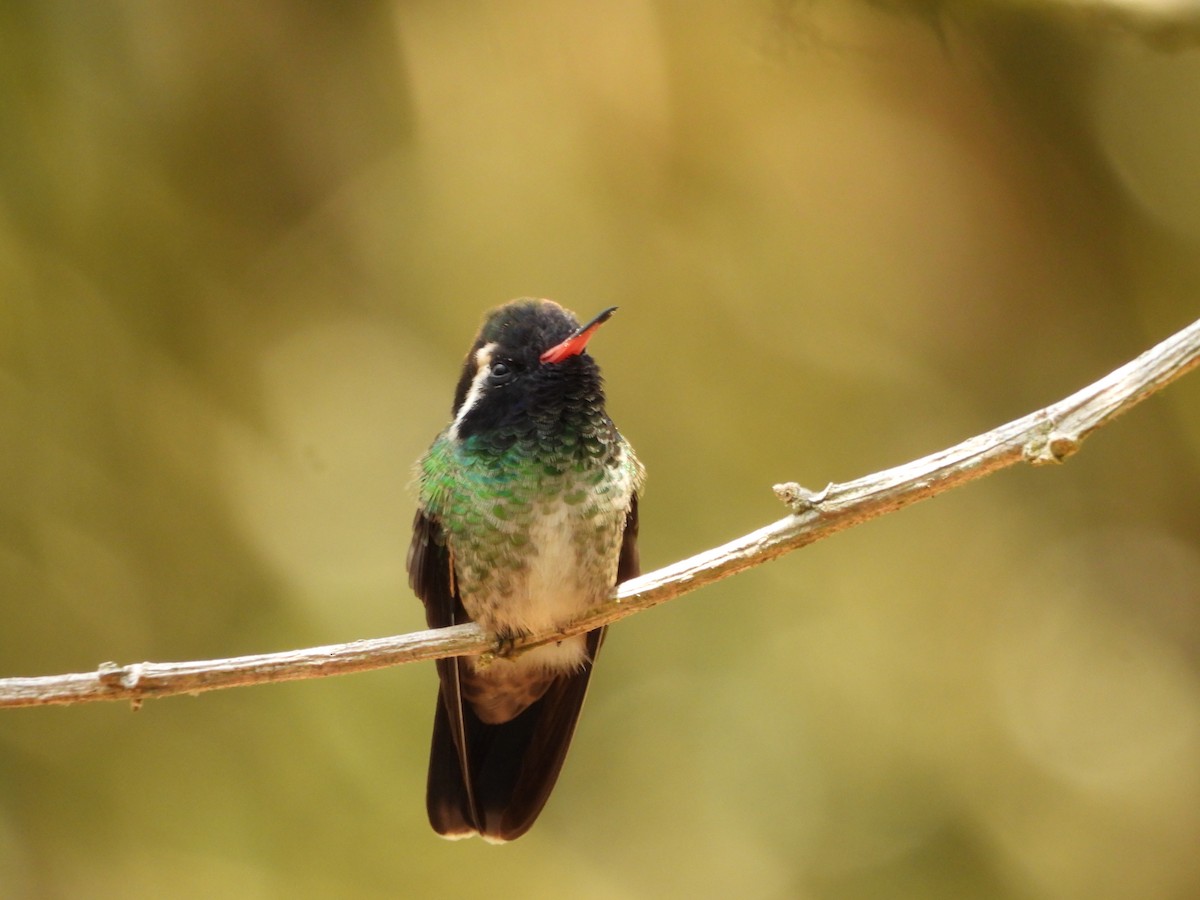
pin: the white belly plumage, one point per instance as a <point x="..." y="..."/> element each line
<point x="555" y="586"/>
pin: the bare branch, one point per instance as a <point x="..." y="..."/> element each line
<point x="1049" y="435"/>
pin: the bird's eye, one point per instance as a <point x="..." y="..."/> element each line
<point x="500" y="373"/>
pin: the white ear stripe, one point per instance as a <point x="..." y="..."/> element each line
<point x="483" y="364"/>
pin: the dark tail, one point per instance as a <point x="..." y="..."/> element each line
<point x="510" y="768"/>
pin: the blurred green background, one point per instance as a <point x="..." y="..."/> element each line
<point x="243" y="247"/>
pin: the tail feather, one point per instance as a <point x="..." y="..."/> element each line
<point x="511" y="768"/>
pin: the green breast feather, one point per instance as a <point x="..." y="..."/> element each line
<point x="491" y="503"/>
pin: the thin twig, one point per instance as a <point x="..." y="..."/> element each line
<point x="1049" y="435"/>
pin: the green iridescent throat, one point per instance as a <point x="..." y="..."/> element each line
<point x="491" y="500"/>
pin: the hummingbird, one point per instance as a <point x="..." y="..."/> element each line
<point x="527" y="518"/>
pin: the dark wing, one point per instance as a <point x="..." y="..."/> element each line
<point x="449" y="798"/>
<point x="429" y="572"/>
<point x="629" y="565"/>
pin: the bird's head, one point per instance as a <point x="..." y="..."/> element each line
<point x="527" y="370"/>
